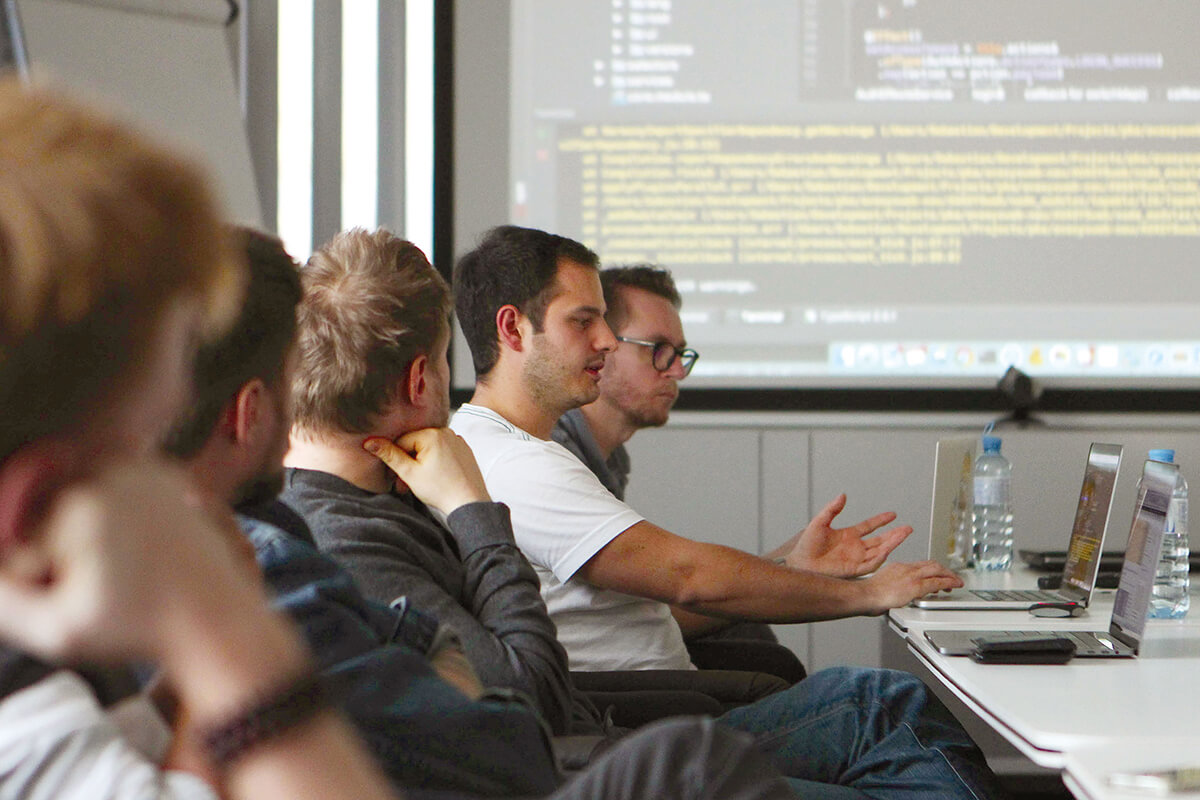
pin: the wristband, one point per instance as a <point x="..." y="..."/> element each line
<point x="297" y="702"/>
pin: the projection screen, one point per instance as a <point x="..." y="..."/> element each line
<point x="895" y="193"/>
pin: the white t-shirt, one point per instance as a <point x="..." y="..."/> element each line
<point x="562" y="516"/>
<point x="57" y="743"/>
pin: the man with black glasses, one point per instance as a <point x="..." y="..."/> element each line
<point x="638" y="387"/>
<point x="639" y="382"/>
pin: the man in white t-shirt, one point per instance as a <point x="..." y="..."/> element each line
<point x="532" y="309"/>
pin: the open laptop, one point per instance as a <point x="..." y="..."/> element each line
<point x="1131" y="605"/>
<point x="953" y="467"/>
<point x="1083" y="562"/>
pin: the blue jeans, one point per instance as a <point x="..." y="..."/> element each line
<point x="850" y="732"/>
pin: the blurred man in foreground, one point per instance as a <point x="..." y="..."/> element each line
<point x="111" y="267"/>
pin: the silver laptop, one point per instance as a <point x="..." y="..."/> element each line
<point x="953" y="466"/>
<point x="1131" y="605"/>
<point x="1083" y="549"/>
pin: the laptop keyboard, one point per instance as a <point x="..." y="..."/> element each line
<point x="1023" y="595"/>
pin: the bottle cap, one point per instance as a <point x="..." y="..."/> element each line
<point x="991" y="444"/>
<point x="1162" y="454"/>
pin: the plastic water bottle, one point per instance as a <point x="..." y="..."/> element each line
<point x="1169" y="599"/>
<point x="992" y="513"/>
<point x="962" y="546"/>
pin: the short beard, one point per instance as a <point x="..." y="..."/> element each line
<point x="642" y="421"/>
<point x="545" y="388"/>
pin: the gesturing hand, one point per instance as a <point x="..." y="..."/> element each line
<point x="843" y="552"/>
<point x="436" y="464"/>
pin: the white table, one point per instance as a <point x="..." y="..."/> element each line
<point x="1058" y="715"/>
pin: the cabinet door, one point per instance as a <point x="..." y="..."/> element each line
<point x="786" y="509"/>
<point x="698" y="483"/>
<point x="720" y="486"/>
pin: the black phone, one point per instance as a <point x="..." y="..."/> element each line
<point x="1039" y="648"/>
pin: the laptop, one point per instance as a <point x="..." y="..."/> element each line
<point x="1083" y="563"/>
<point x="1131" y="605"/>
<point x="953" y="467"/>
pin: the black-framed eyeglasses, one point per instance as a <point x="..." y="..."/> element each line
<point x="663" y="354"/>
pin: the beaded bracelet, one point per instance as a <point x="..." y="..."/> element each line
<point x="287" y="708"/>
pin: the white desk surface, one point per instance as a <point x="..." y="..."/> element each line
<point x="1086" y="773"/>
<point x="1049" y="711"/>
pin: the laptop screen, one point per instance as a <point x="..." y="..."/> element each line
<point x="1132" y="602"/>
<point x="953" y="464"/>
<point x="1091" y="517"/>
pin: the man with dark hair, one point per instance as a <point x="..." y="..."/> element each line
<point x="608" y="574"/>
<point x="602" y="565"/>
<point x="240" y="414"/>
<point x="532" y="284"/>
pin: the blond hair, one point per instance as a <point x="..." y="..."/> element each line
<point x="100" y="232"/>
<point x="372" y="303"/>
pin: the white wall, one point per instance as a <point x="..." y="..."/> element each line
<point x="165" y="65"/>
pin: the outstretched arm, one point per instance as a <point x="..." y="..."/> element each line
<point x="648" y="561"/>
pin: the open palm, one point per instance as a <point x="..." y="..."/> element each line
<point x="843" y="552"/>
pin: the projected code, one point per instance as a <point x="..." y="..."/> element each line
<point x="912" y="68"/>
<point x="776" y="194"/>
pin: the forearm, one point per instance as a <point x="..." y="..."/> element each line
<point x="510" y="639"/>
<point x="125" y="588"/>
<point x="225" y="663"/>
<point x="717" y="581"/>
<point x="728" y="584"/>
<point x="510" y="659"/>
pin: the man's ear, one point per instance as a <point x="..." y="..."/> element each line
<point x="243" y="415"/>
<point x="508" y="327"/>
<point x="29" y="479"/>
<point x="416" y="387"/>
